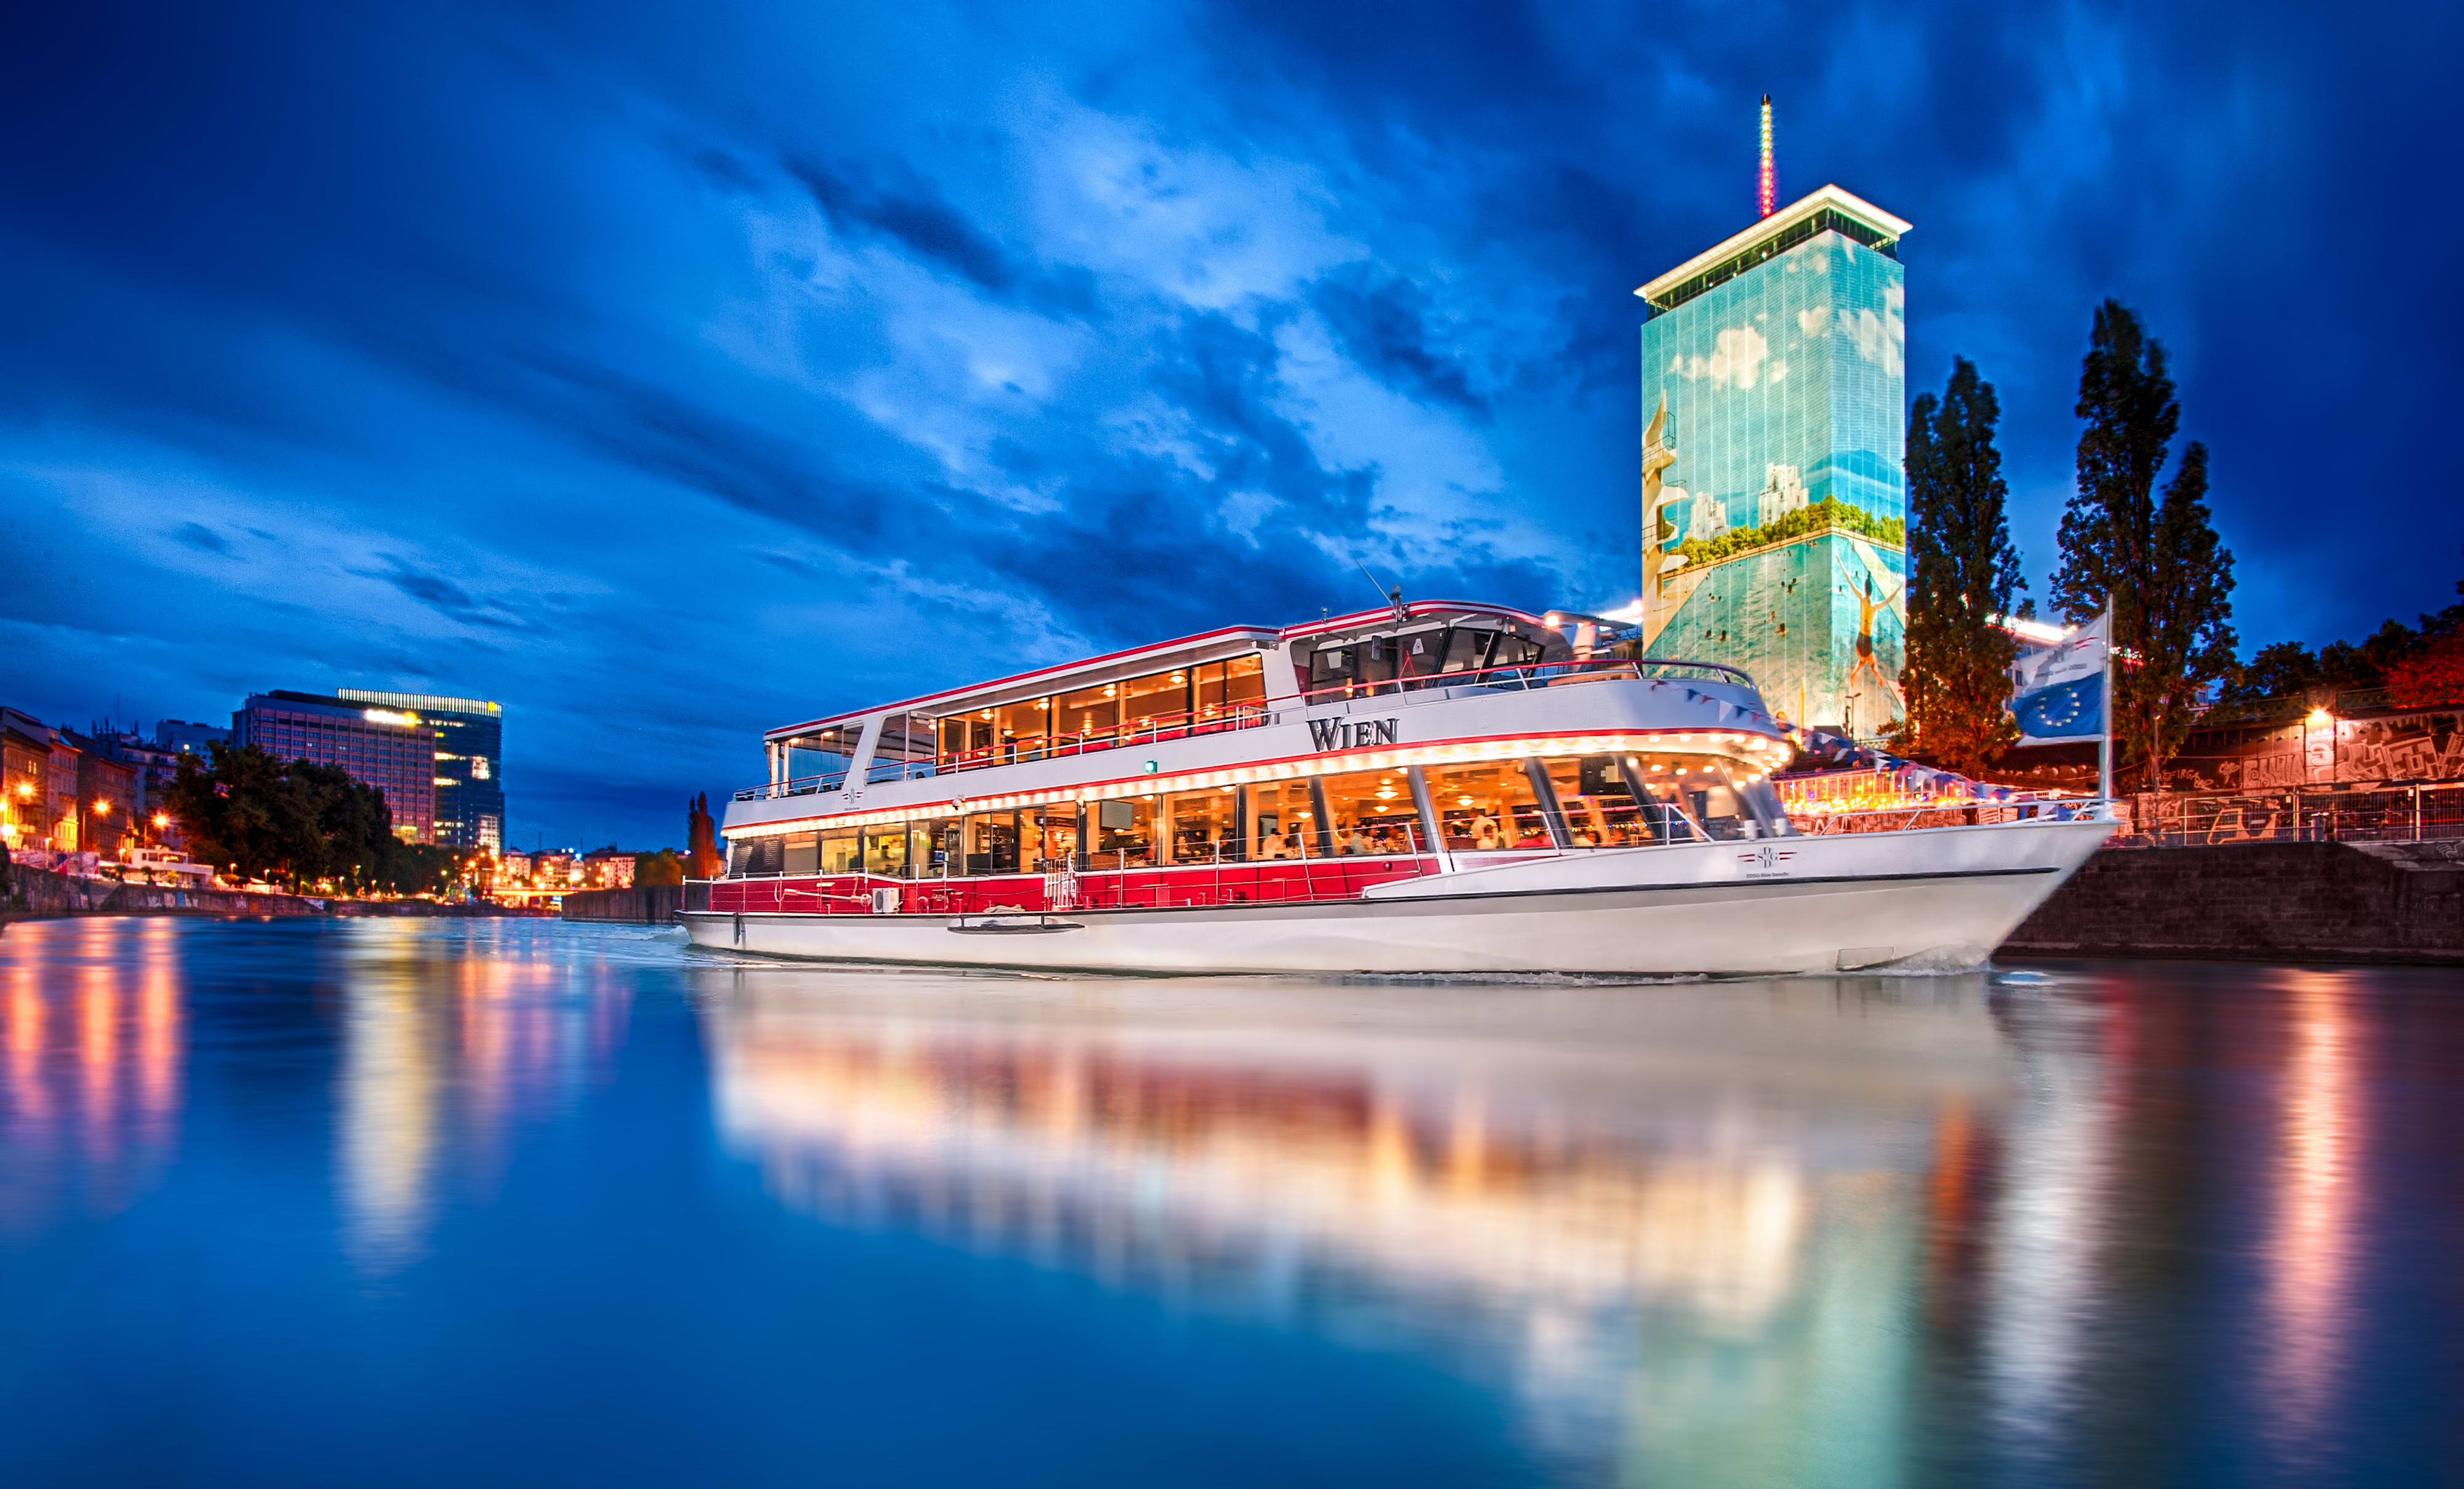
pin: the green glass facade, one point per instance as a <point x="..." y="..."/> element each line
<point x="1786" y="411"/>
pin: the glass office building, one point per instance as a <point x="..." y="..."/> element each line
<point x="470" y="772"/>
<point x="1780" y="542"/>
<point x="385" y="748"/>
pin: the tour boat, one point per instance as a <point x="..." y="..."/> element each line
<point x="1434" y="788"/>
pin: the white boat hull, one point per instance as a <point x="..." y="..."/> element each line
<point x="1933" y="898"/>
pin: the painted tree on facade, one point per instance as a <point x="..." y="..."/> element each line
<point x="2168" y="573"/>
<point x="1962" y="574"/>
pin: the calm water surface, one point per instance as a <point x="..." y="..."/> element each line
<point x="514" y="1202"/>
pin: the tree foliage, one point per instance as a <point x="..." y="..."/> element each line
<point x="2431" y="675"/>
<point x="1821" y="516"/>
<point x="1962" y="571"/>
<point x="2170" y="577"/>
<point x="702" y="858"/>
<point x="254" y="817"/>
<point x="2395" y="650"/>
<point x="658" y="870"/>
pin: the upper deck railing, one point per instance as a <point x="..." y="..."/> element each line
<point x="1395" y="692"/>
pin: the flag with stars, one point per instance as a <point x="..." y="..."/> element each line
<point x="2058" y="692"/>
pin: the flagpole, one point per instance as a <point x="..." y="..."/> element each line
<point x="2104" y="745"/>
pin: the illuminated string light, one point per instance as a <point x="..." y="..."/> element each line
<point x="1767" y="181"/>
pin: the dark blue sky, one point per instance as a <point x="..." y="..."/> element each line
<point x="667" y="372"/>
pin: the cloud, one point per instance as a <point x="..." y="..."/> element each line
<point x="203" y="538"/>
<point x="1383" y="327"/>
<point x="1736" y="361"/>
<point x="919" y="220"/>
<point x="441" y="595"/>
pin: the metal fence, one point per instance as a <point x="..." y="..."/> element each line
<point x="2382" y="814"/>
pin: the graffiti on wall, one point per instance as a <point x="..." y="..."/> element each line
<point x="2403" y="746"/>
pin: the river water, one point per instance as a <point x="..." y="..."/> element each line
<point x="473" y="1202"/>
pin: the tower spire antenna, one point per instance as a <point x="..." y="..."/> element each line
<point x="1767" y="179"/>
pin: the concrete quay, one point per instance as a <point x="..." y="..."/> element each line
<point x="2317" y="902"/>
<point x="651" y="905"/>
<point x="48" y="896"/>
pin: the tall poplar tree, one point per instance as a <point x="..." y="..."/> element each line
<point x="1962" y="573"/>
<point x="2169" y="575"/>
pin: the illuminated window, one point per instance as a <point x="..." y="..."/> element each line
<point x="1372" y="812"/>
<point x="1483" y="808"/>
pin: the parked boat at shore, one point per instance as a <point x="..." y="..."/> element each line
<point x="1444" y="787"/>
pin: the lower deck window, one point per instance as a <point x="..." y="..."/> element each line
<point x="755" y="857"/>
<point x="1372" y="812"/>
<point x="991" y="843"/>
<point x="1124" y="832"/>
<point x="1281" y="822"/>
<point x="884" y="851"/>
<point x="1485" y="807"/>
<point x="1053" y="834"/>
<point x="1701" y="789"/>
<point x="1600" y="812"/>
<point x="1204" y="825"/>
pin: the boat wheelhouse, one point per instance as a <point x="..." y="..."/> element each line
<point x="1438" y="787"/>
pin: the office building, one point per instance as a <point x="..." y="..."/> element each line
<point x="182" y="738"/>
<point x="470" y="775"/>
<point x="390" y="749"/>
<point x="1773" y="401"/>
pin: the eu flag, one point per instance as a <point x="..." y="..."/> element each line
<point x="2067" y="711"/>
<point x="2057" y="690"/>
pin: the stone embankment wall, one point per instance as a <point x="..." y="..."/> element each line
<point x="656" y="906"/>
<point x="36" y="893"/>
<point x="2397" y="902"/>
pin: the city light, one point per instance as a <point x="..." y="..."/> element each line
<point x="162" y="819"/>
<point x="2319" y="718"/>
<point x="390" y="716"/>
<point x="102" y="809"/>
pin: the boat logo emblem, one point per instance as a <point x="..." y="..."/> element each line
<point x="1766" y="858"/>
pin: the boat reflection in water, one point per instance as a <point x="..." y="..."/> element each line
<point x="1683" y="1222"/>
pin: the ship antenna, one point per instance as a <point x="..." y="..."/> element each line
<point x="1393" y="598"/>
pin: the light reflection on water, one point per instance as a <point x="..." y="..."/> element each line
<point x="2135" y="1223"/>
<point x="1687" y="1217"/>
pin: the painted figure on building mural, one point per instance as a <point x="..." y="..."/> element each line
<point x="1658" y="530"/>
<point x="1868" y="661"/>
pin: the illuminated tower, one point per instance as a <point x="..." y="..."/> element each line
<point x="1782" y="544"/>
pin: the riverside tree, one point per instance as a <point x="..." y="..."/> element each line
<point x="2170" y="578"/>
<point x="252" y="816"/>
<point x="1962" y="573"/>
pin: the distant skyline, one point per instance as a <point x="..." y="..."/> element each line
<point x="669" y="372"/>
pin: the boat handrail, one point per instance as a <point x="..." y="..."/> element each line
<point x="796" y="786"/>
<point x="1537" y="674"/>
